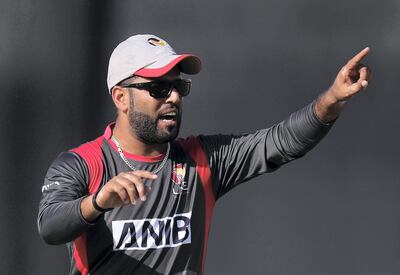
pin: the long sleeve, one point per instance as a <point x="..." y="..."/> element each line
<point x="234" y="159"/>
<point x="65" y="185"/>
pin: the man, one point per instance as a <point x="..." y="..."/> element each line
<point x="137" y="200"/>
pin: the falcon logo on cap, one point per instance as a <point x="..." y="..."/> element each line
<point x="156" y="42"/>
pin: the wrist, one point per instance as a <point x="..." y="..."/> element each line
<point x="96" y="206"/>
<point x="328" y="107"/>
<point x="329" y="99"/>
<point x="89" y="214"/>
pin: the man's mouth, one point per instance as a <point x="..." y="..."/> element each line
<point x="170" y="116"/>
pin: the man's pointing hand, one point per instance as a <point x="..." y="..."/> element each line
<point x="351" y="79"/>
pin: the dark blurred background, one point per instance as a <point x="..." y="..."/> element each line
<point x="336" y="211"/>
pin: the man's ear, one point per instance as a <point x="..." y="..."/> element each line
<point x="120" y="97"/>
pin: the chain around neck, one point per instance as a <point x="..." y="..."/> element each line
<point x="133" y="168"/>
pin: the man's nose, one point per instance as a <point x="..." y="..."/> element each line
<point x="174" y="97"/>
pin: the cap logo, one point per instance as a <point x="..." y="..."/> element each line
<point x="156" y="42"/>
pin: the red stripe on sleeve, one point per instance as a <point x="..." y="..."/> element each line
<point x="192" y="146"/>
<point x="92" y="155"/>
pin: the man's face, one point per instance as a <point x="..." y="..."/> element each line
<point x="152" y="120"/>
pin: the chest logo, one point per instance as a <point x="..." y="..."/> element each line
<point x="179" y="184"/>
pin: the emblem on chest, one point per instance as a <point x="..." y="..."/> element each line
<point x="179" y="182"/>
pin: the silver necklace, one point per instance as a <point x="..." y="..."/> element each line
<point x="133" y="167"/>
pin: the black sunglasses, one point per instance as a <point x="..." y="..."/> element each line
<point x="163" y="88"/>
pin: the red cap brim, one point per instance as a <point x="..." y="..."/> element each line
<point x="188" y="64"/>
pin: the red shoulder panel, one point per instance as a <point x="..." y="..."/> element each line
<point x="92" y="154"/>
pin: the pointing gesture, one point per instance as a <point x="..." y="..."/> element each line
<point x="351" y="79"/>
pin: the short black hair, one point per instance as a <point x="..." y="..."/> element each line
<point x="125" y="81"/>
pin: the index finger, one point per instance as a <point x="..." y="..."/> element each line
<point x="144" y="174"/>
<point x="352" y="63"/>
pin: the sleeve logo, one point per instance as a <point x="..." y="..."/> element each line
<point x="47" y="186"/>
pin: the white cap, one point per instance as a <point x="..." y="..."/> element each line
<point x="147" y="55"/>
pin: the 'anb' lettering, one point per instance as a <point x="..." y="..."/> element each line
<point x="152" y="233"/>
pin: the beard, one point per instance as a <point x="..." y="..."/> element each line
<point x="146" y="128"/>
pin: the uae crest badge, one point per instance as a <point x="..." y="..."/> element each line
<point x="179" y="185"/>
